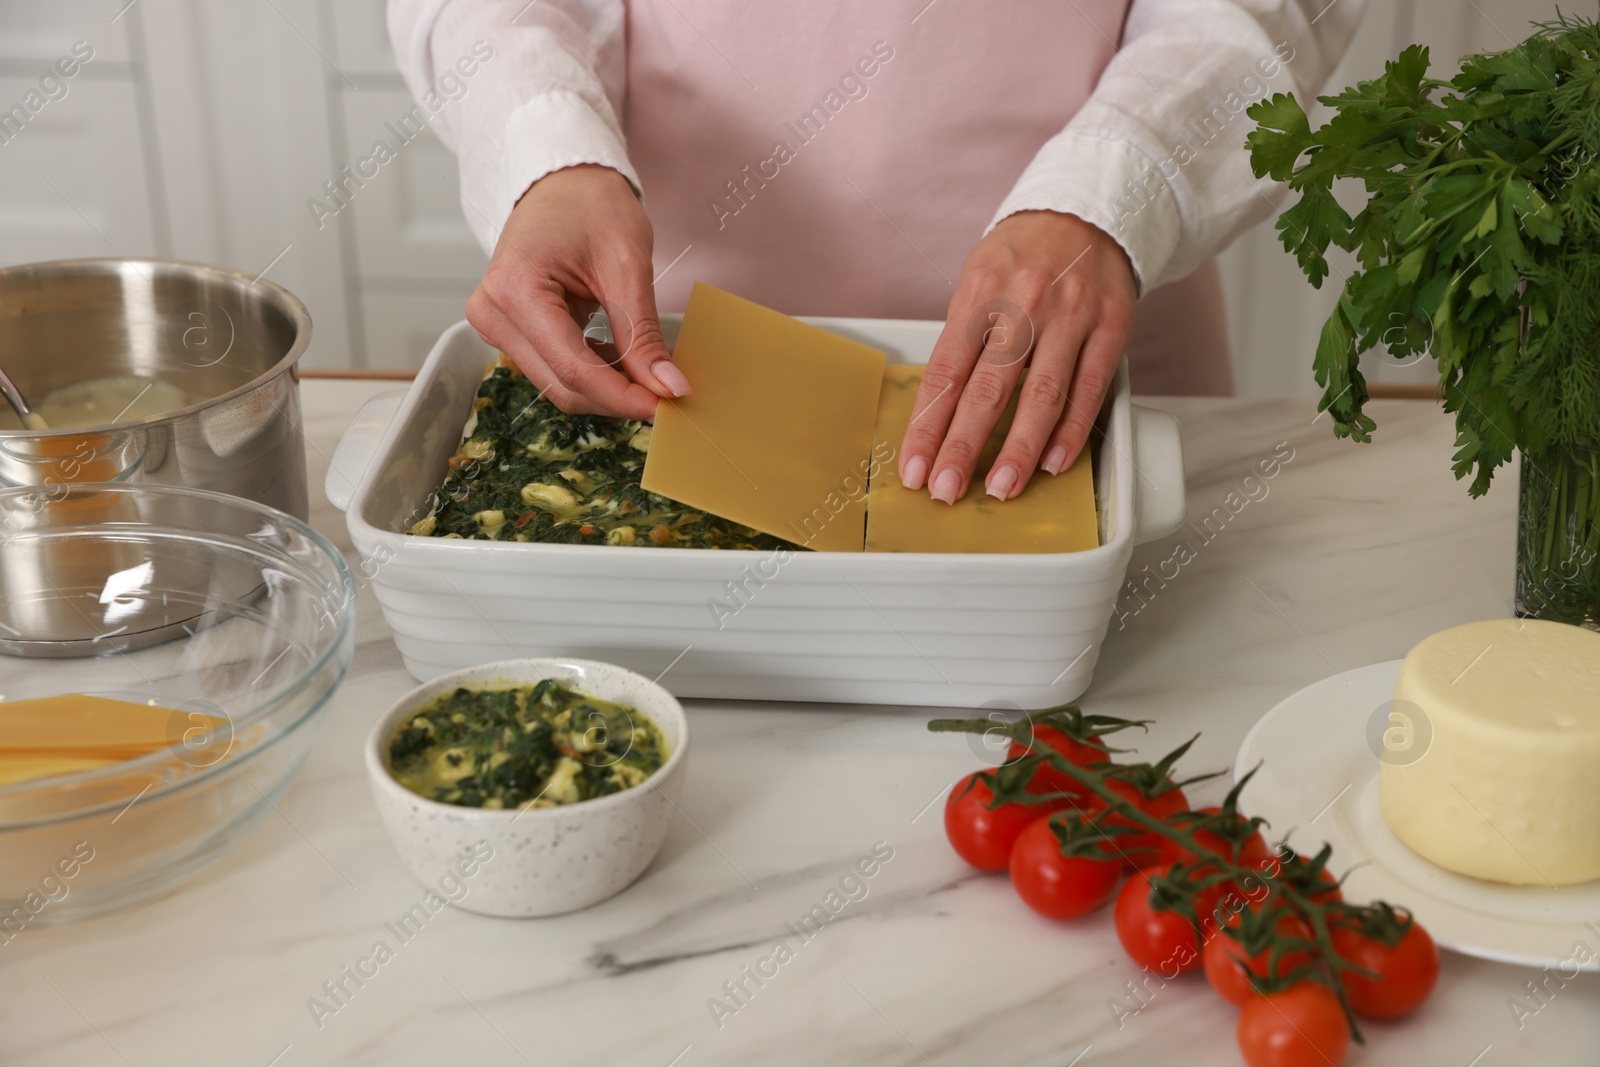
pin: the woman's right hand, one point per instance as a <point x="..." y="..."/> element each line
<point x="578" y="235"/>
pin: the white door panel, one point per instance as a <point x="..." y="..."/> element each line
<point x="72" y="180"/>
<point x="402" y="330"/>
<point x="406" y="217"/>
<point x="361" y="37"/>
<point x="41" y="31"/>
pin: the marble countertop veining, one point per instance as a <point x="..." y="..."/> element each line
<point x="1348" y="556"/>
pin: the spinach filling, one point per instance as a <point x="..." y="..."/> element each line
<point x="534" y="746"/>
<point x="528" y="471"/>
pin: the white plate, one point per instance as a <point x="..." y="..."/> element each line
<point x="1319" y="781"/>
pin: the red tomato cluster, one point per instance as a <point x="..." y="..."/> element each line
<point x="1301" y="1025"/>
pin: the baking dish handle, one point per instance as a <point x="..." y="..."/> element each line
<point x="357" y="444"/>
<point x="1158" y="452"/>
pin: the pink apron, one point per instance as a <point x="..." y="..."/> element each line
<point x="843" y="159"/>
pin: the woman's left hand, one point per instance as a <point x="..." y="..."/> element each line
<point x="1043" y="290"/>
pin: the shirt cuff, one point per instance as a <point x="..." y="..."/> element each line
<point x="554" y="130"/>
<point x="1109" y="184"/>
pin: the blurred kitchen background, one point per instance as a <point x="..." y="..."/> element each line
<point x="199" y="130"/>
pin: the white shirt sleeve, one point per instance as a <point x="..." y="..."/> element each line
<point x="1156" y="156"/>
<point x="547" y="96"/>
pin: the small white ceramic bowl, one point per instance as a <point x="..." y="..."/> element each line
<point x="538" y="861"/>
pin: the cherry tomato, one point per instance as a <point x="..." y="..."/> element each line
<point x="1160" y="940"/>
<point x="1253" y="852"/>
<point x="983" y="836"/>
<point x="1143" y="849"/>
<point x="1057" y="886"/>
<point x="1303" y="1026"/>
<point x="1409" y="969"/>
<point x="1222" y="955"/>
<point x="1049" y="780"/>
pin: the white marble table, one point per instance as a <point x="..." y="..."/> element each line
<point x="1355" y="553"/>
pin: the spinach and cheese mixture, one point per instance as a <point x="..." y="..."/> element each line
<point x="533" y="746"/>
<point x="528" y="471"/>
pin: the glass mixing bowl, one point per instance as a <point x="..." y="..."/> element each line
<point x="236" y="616"/>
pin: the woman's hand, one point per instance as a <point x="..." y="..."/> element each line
<point x="578" y="235"/>
<point x="1043" y="290"/>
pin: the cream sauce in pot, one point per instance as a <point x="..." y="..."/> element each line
<point x="102" y="402"/>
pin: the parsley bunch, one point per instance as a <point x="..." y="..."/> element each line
<point x="1479" y="242"/>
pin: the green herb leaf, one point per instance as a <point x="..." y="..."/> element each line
<point x="1308" y="227"/>
<point x="1282" y="132"/>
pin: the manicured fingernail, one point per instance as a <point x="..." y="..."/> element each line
<point x="946" y="484"/>
<point x="668" y="374"/>
<point x="1001" y="481"/>
<point x="1054" y="459"/>
<point x="916" y="473"/>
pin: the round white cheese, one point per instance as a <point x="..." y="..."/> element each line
<point x="1508" y="785"/>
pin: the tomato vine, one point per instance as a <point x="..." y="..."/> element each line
<point x="1263" y="894"/>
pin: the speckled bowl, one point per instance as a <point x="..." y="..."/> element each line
<point x="545" y="861"/>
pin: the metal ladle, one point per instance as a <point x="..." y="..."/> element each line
<point x="30" y="418"/>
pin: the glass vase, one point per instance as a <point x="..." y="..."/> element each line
<point x="1558" y="536"/>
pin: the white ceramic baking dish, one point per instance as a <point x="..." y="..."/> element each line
<point x="951" y="630"/>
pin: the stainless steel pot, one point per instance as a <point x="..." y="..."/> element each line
<point x="230" y="341"/>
